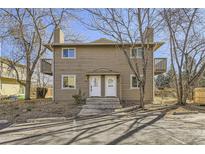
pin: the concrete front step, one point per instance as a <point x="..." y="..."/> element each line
<point x="98" y="106"/>
<point x="86" y="112"/>
<point x="102" y="103"/>
<point x="102" y="99"/>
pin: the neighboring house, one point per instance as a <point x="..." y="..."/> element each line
<point x="8" y="83"/>
<point x="99" y="69"/>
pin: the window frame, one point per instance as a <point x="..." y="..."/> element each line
<point x="131" y="87"/>
<point x="68" y="75"/>
<point x="137" y="56"/>
<point x="62" y="55"/>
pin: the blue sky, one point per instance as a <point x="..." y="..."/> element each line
<point x="91" y="35"/>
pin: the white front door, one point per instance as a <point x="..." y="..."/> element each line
<point x="110" y="86"/>
<point x="95" y="85"/>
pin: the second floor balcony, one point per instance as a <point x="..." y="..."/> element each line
<point x="46" y="66"/>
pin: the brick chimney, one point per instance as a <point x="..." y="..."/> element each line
<point x="149" y="35"/>
<point x="58" y="35"/>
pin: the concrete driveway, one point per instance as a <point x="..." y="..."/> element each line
<point x="136" y="127"/>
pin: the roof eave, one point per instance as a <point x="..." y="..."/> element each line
<point x="51" y="46"/>
<point x="158" y="45"/>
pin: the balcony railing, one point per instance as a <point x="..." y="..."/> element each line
<point x="46" y="66"/>
<point x="160" y="65"/>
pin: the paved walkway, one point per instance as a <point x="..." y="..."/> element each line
<point x="123" y="128"/>
<point x="4" y="124"/>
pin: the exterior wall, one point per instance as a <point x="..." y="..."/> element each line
<point x="9" y="87"/>
<point x="89" y="58"/>
<point x="7" y="72"/>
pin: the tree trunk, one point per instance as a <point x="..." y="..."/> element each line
<point x="141" y="97"/>
<point x="187" y="90"/>
<point x="182" y="94"/>
<point x="28" y="88"/>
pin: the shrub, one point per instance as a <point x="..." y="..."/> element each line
<point x="41" y="92"/>
<point x="79" y="98"/>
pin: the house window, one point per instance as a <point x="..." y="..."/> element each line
<point x="134" y="82"/>
<point x="68" y="81"/>
<point x="110" y="83"/>
<point x="136" y="53"/>
<point x="69" y="53"/>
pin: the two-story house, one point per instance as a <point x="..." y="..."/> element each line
<point x="99" y="69"/>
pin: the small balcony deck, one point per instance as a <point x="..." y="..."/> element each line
<point x="46" y="66"/>
<point x="160" y="65"/>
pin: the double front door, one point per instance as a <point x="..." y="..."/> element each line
<point x="110" y="86"/>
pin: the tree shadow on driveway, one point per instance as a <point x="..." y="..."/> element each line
<point x="137" y="129"/>
<point x="99" y="123"/>
<point x="137" y="121"/>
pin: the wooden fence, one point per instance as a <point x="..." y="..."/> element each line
<point x="199" y="95"/>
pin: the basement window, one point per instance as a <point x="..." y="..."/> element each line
<point x="69" y="53"/>
<point x="68" y="81"/>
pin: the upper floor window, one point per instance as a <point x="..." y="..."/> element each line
<point x="136" y="53"/>
<point x="69" y="53"/>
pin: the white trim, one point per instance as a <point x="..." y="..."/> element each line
<point x="68" y="57"/>
<point x="107" y="87"/>
<point x="68" y="75"/>
<point x="99" y="85"/>
<point x="137" y="53"/>
<point x="131" y="87"/>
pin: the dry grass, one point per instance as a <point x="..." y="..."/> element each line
<point x="20" y="111"/>
<point x="164" y="100"/>
<point x="181" y="110"/>
<point x="165" y="96"/>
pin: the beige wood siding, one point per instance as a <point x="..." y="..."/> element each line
<point x="89" y="58"/>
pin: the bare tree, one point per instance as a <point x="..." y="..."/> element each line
<point x="187" y="47"/>
<point x="28" y="30"/>
<point x="127" y="27"/>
